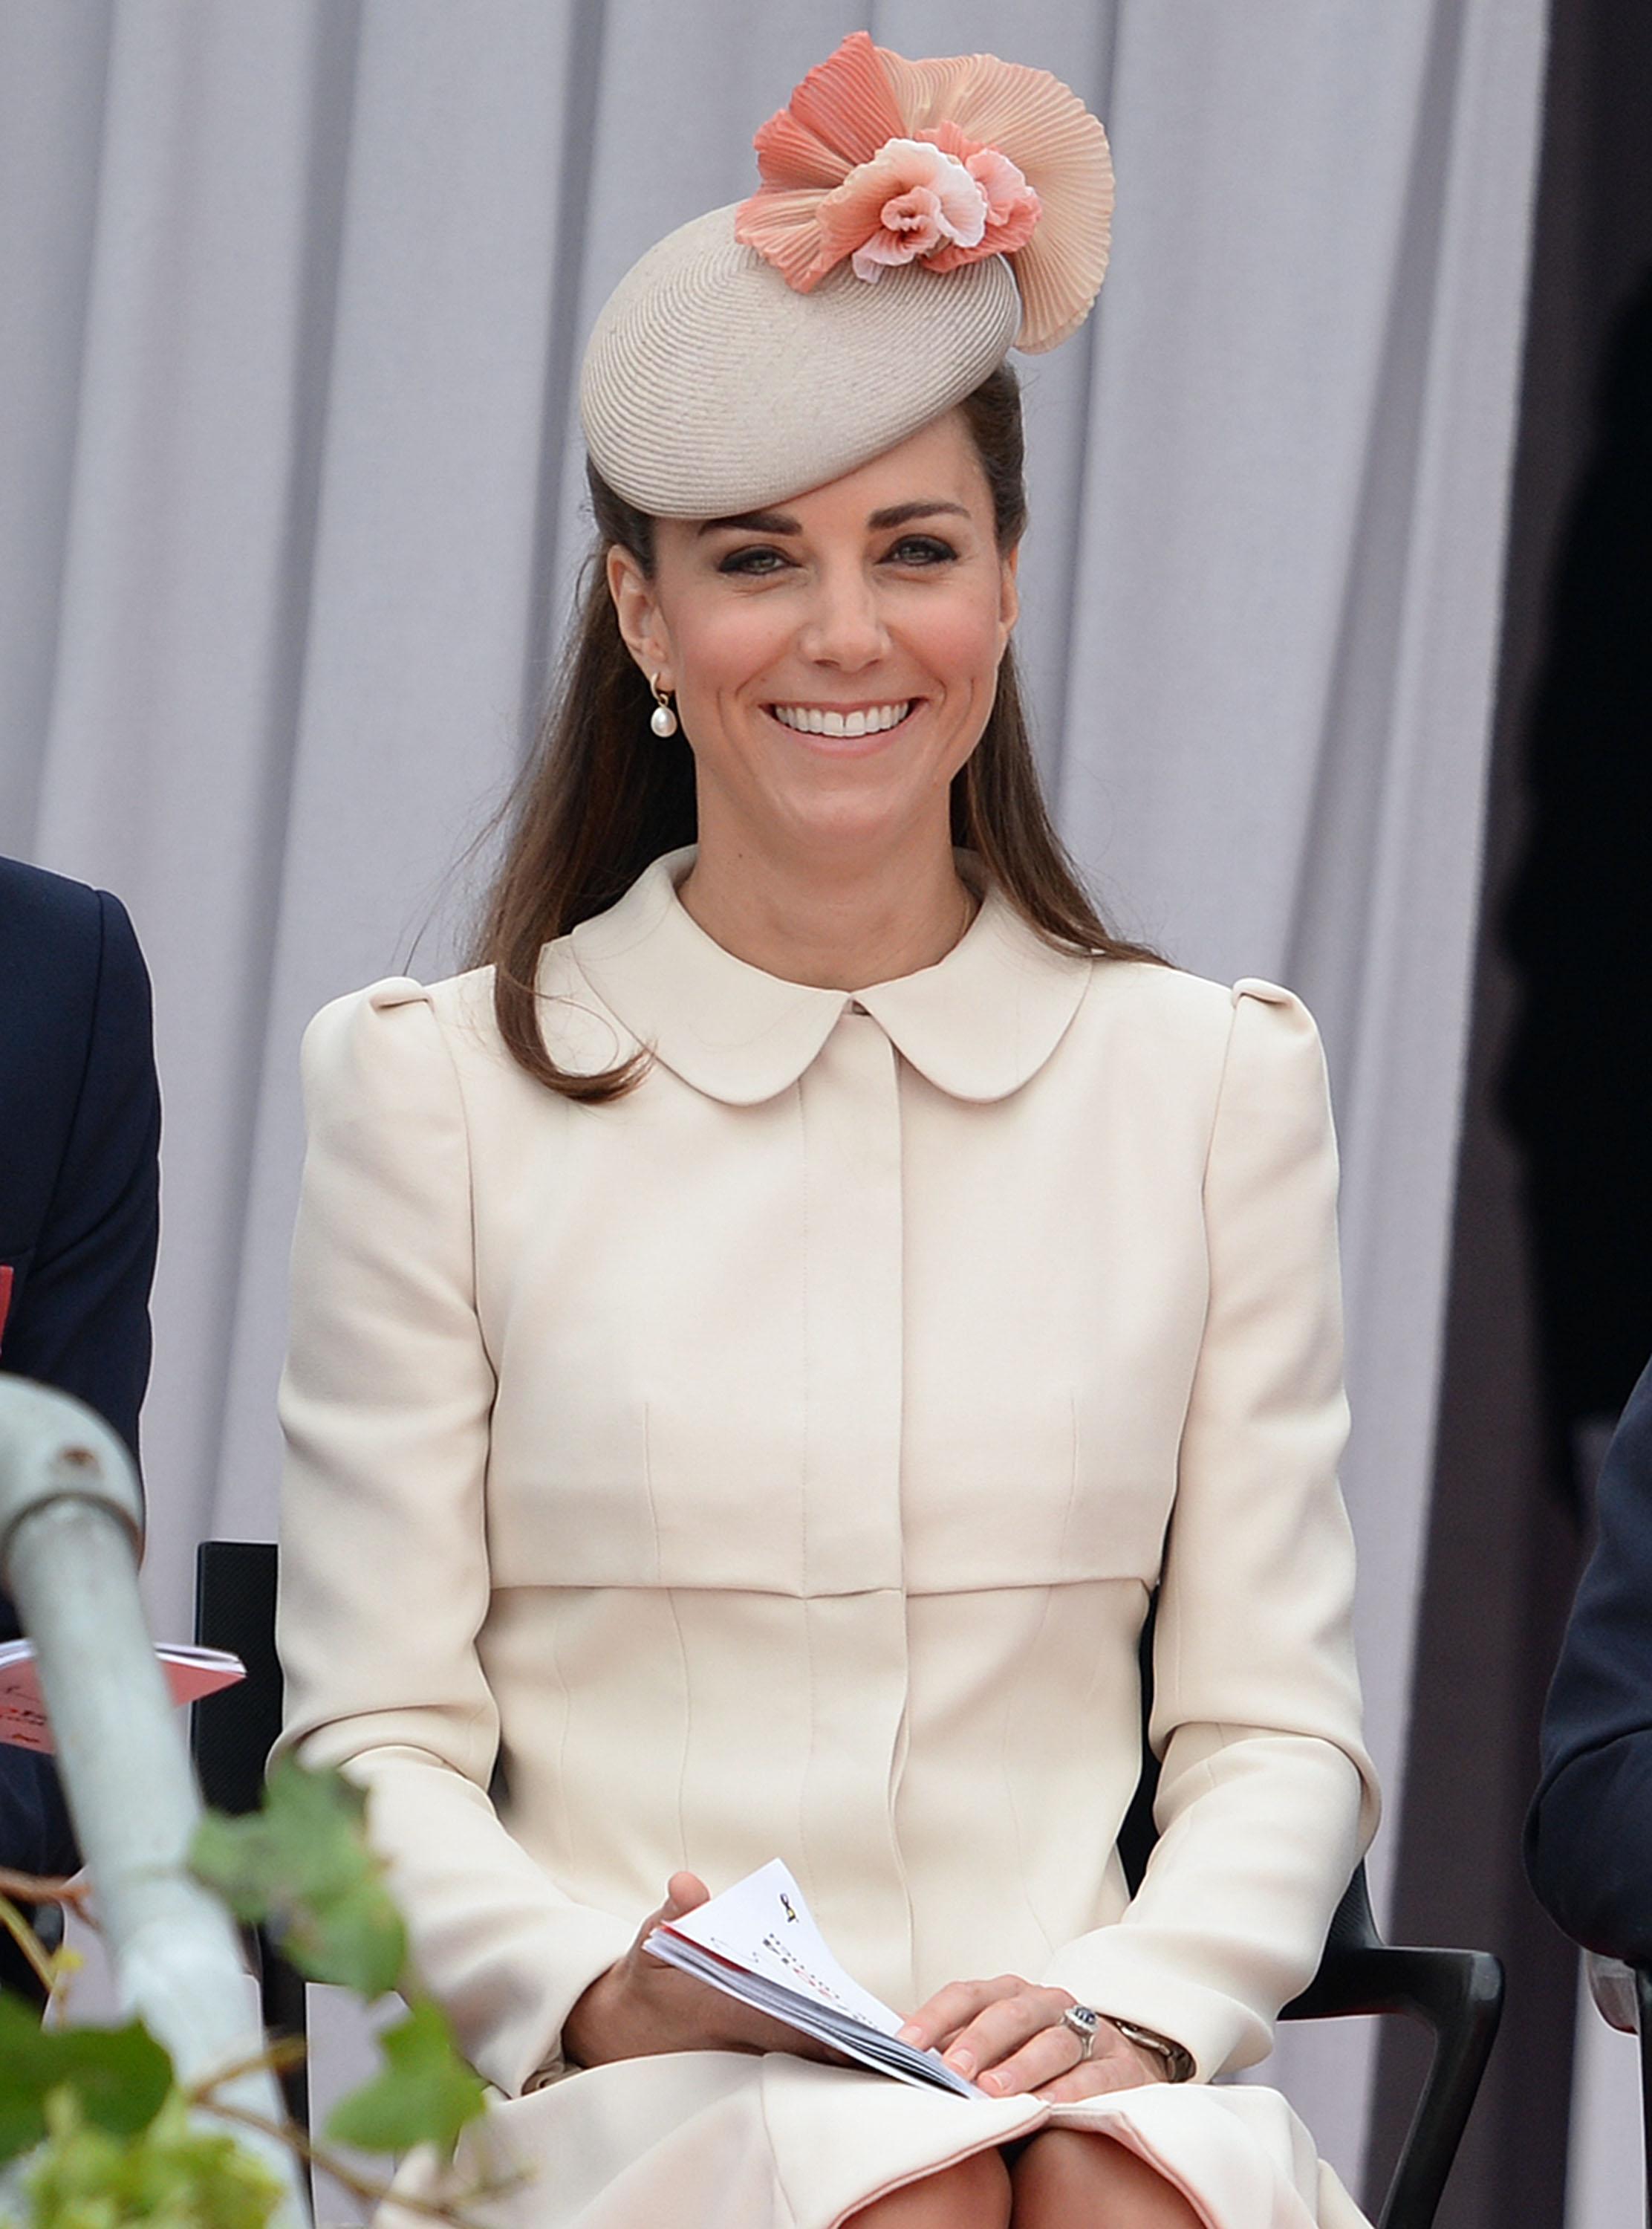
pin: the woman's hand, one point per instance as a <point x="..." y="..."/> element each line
<point x="640" y="2006"/>
<point x="1008" y="2037"/>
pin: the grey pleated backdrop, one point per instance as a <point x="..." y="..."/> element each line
<point x="293" y="299"/>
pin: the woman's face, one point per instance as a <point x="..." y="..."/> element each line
<point x="835" y="658"/>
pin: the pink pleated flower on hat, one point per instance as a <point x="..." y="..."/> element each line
<point x="910" y="200"/>
<point x="879" y="161"/>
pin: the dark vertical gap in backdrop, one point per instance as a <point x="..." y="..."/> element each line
<point x="1505" y="1532"/>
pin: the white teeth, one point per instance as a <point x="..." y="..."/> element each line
<point x="814" y="720"/>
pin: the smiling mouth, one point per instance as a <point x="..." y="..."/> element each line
<point x="866" y="720"/>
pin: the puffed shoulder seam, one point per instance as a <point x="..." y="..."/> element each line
<point x="399" y="991"/>
<point x="339" y="1013"/>
<point x="345" y="1030"/>
<point x="451" y="1002"/>
<point x="1270" y="994"/>
<point x="396" y="990"/>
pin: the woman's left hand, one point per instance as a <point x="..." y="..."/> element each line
<point x="1009" y="2038"/>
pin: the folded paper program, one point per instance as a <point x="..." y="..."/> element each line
<point x="758" y="1942"/>
<point x="190" y="1674"/>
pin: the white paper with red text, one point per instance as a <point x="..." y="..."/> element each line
<point x="190" y="1674"/>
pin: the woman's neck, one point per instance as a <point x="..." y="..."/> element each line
<point x="840" y="925"/>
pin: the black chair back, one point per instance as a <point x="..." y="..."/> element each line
<point x="231" y="1735"/>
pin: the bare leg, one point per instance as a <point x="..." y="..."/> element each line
<point x="1067" y="2179"/>
<point x="974" y="2194"/>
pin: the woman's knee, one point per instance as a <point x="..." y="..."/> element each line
<point x="974" y="2194"/>
<point x="1068" y="2179"/>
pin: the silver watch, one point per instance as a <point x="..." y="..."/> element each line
<point x="1178" y="2061"/>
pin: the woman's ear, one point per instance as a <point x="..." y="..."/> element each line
<point x="637" y="611"/>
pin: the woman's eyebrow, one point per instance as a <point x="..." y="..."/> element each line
<point x="781" y="522"/>
<point x="901" y="514"/>
<point x="755" y="521"/>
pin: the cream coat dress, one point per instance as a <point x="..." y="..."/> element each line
<point x="776" y="1462"/>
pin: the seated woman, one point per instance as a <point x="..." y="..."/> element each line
<point x="760" y="1341"/>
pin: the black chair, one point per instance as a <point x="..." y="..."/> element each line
<point x="231" y="1734"/>
<point x="1457" y="1994"/>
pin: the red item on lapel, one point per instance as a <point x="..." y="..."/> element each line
<point x="5" y="1296"/>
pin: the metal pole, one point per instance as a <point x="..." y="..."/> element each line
<point x="70" y="1523"/>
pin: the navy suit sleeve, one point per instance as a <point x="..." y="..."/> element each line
<point x="35" y="1836"/>
<point x="83" y="1322"/>
<point x="1589" y="1833"/>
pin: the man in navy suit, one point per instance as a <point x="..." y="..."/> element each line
<point x="80" y="1188"/>
<point x="1589" y="1835"/>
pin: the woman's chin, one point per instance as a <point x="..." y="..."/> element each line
<point x="856" y="819"/>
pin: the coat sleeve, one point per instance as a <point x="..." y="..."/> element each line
<point x="1266" y="1798"/>
<point x="385" y="1404"/>
<point x="83" y="1323"/>
<point x="1589" y="1836"/>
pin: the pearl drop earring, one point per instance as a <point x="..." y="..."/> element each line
<point x="663" y="719"/>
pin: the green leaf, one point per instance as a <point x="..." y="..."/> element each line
<point x="174" y="2174"/>
<point x="424" y="2093"/>
<point x="119" y="2076"/>
<point x="303" y="1864"/>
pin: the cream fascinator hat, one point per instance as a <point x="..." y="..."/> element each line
<point x="916" y="221"/>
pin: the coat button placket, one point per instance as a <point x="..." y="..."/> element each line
<point x="850" y="1549"/>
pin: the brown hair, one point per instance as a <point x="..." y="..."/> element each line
<point x="601" y="796"/>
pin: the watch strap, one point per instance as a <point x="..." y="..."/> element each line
<point x="1178" y="2059"/>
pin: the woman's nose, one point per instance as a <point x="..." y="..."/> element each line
<point x="844" y="627"/>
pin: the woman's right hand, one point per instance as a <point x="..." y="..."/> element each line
<point x="640" y="2006"/>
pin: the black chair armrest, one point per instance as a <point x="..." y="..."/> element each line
<point x="1434" y="1987"/>
<point x="1457" y="1994"/>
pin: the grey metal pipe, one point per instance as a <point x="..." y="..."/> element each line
<point x="70" y="1523"/>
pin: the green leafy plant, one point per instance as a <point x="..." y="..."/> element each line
<point x="172" y="2173"/>
<point x="425" y="2093"/>
<point x="302" y="1866"/>
<point x="96" y="2132"/>
<point x="118" y="2075"/>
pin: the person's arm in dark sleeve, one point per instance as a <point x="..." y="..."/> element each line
<point x="1589" y="1833"/>
<point x="83" y="1322"/>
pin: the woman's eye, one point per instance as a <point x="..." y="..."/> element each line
<point x="754" y="561"/>
<point x="913" y="549"/>
<point x="922" y="549"/>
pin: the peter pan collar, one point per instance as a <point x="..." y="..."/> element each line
<point x="978" y="1025"/>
